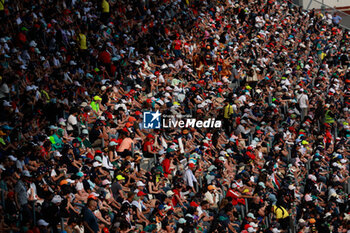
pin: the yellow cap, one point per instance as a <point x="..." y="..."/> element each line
<point x="96" y="98"/>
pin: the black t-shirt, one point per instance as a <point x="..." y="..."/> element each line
<point x="104" y="98"/>
<point x="94" y="134"/>
<point x="10" y="207"/>
<point x="116" y="187"/>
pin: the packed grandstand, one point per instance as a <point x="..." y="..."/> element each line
<point x="173" y="117"/>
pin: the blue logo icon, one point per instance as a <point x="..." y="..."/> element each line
<point x="151" y="120"/>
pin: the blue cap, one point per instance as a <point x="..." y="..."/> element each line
<point x="80" y="174"/>
<point x="7" y="127"/>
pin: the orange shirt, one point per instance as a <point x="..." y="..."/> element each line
<point x="125" y="145"/>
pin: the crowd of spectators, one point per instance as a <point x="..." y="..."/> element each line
<point x="77" y="76"/>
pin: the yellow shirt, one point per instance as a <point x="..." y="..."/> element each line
<point x="2" y="3"/>
<point x="228" y="111"/>
<point x="280" y="212"/>
<point x="82" y="40"/>
<point x="105" y="6"/>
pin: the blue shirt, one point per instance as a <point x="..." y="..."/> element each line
<point x="336" y="19"/>
<point x="90" y="219"/>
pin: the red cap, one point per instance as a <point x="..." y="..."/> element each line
<point x="131" y="119"/>
<point x="149" y="101"/>
<point x="140" y="193"/>
<point x="150" y="136"/>
<point x="247" y="226"/>
<point x="105" y="230"/>
<point x="192" y="165"/>
<point x="259" y="132"/>
<point x="128" y="124"/>
<point x="193" y="204"/>
<point x="138" y="113"/>
<point x="92" y="196"/>
<point x="201" y="82"/>
<point x="98" y="152"/>
<point x="193" y="88"/>
<point x="90" y="156"/>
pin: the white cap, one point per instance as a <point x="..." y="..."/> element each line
<point x="6" y="104"/>
<point x="223" y="152"/>
<point x="251" y="229"/>
<point x="169" y="193"/>
<point x="301" y="220"/>
<point x="32" y="44"/>
<point x="250" y="215"/>
<point x="253" y="224"/>
<point x="312" y="177"/>
<point x="13" y="158"/>
<point x="161" y="152"/>
<point x="57" y="154"/>
<point x="106" y="182"/>
<point x="140" y="183"/>
<point x="26" y="173"/>
<point x="96" y="164"/>
<point x="56" y="199"/>
<point x="42" y="222"/>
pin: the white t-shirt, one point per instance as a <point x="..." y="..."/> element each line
<point x="303" y="99"/>
<point x="72" y="120"/>
<point x="161" y="79"/>
<point x="209" y="197"/>
<point x="79" y="186"/>
<point x="242" y="99"/>
<point x="4" y="90"/>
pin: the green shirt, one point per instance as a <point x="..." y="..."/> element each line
<point x="95" y="106"/>
<point x="56" y="142"/>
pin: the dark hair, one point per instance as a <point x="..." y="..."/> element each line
<point x="89" y="202"/>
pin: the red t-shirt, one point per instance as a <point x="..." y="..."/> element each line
<point x="234" y="195"/>
<point x="146" y="145"/>
<point x="166" y="167"/>
<point x="174" y="199"/>
<point x="43" y="152"/>
<point x="105" y="57"/>
<point x="177" y="45"/>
